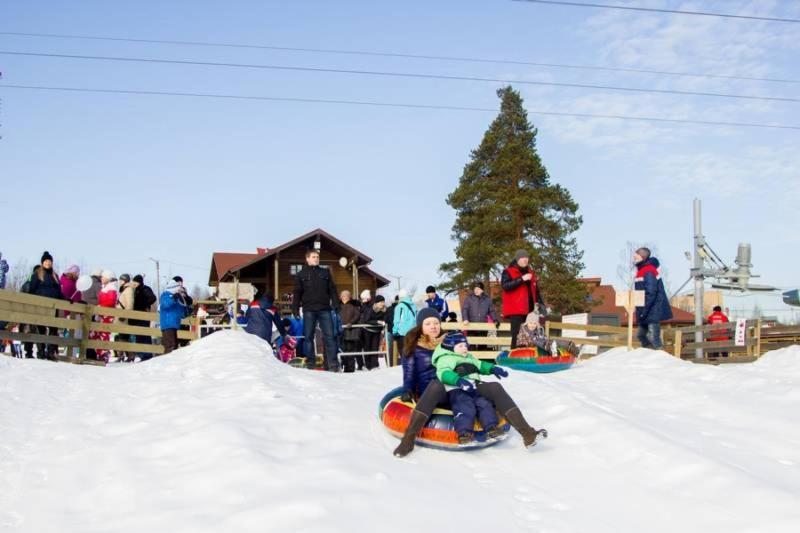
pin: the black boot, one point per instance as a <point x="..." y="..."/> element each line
<point x="518" y="422"/>
<point x="418" y="420"/>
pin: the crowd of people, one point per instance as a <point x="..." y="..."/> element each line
<point x="352" y="333"/>
<point x="101" y="288"/>
<point x="438" y="370"/>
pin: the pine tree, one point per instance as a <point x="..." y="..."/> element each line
<point x="504" y="201"/>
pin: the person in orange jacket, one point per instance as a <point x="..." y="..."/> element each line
<point x="718" y="317"/>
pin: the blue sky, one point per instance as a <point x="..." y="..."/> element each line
<point x="110" y="180"/>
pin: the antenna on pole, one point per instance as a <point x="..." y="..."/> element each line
<point x="708" y="264"/>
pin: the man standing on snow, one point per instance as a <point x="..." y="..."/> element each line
<point x="656" y="307"/>
<point x="435" y="301"/>
<point x="520" y="292"/>
<point x="315" y="291"/>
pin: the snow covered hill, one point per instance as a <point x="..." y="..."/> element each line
<point x="220" y="436"/>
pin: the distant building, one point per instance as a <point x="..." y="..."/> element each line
<point x="605" y="311"/>
<point x="273" y="269"/>
<point x="710" y="300"/>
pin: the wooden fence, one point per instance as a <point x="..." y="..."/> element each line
<point x="605" y="336"/>
<point x="76" y="321"/>
<point x="684" y="345"/>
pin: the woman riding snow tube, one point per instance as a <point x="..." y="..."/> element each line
<point x="536" y="359"/>
<point x="423" y="421"/>
<point x="439" y="431"/>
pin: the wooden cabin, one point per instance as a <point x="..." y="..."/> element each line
<point x="273" y="269"/>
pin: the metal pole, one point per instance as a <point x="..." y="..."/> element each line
<point x="158" y="279"/>
<point x="697" y="274"/>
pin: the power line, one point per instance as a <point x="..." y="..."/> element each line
<point x="413" y="75"/>
<point x="398" y="105"/>
<point x="657" y="10"/>
<point x="404" y="56"/>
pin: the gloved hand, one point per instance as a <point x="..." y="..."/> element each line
<point x="465" y="385"/>
<point x="406" y="397"/>
<point x="499" y="371"/>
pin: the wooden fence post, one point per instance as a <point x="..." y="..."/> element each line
<point x="86" y="325"/>
<point x="678" y="339"/>
<point x="758" y="338"/>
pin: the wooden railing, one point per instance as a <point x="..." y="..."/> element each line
<point x="77" y="321"/>
<point x="684" y="345"/>
<point x="497" y="342"/>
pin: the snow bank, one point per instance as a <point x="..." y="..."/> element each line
<point x="220" y="436"/>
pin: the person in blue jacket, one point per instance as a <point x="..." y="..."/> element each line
<point x="171" y="311"/>
<point x="435" y="301"/>
<point x="261" y="317"/>
<point x="656" y="307"/>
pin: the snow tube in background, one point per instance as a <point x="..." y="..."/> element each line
<point x="536" y="360"/>
<point x="438" y="431"/>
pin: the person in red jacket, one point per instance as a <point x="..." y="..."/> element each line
<point x="521" y="292"/>
<point x="718" y="317"/>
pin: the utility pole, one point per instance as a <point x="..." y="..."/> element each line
<point x="398" y="278"/>
<point x="697" y="274"/>
<point x="158" y="278"/>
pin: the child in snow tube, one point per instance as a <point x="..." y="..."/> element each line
<point x="535" y="353"/>
<point x="419" y="381"/>
<point x="459" y="370"/>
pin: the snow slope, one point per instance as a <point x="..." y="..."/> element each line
<point x="220" y="436"/>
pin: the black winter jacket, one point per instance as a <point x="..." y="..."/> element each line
<point x="47" y="286"/>
<point x="314" y="290"/>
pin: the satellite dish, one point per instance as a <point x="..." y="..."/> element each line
<point x="748" y="287"/>
<point x="343" y="262"/>
<point x="792" y="297"/>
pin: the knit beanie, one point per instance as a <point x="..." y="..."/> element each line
<point x="428" y="312"/>
<point x="73" y="269"/>
<point x="644" y="252"/>
<point x="46" y="257"/>
<point x="379" y="298"/>
<point x="519" y="254"/>
<point x="452" y="339"/>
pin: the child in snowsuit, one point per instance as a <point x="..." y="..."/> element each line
<point x="458" y="370"/>
<point x="287" y="349"/>
<point x="531" y="334"/>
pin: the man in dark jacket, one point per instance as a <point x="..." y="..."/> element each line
<point x="434" y="301"/>
<point x="656" y="307"/>
<point x="143" y="300"/>
<point x="521" y="292"/>
<point x="45" y="283"/>
<point x="315" y="291"/>
<point x="478" y="308"/>
<point x="350" y="313"/>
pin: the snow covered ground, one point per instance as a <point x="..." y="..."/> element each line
<point x="220" y="436"/>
